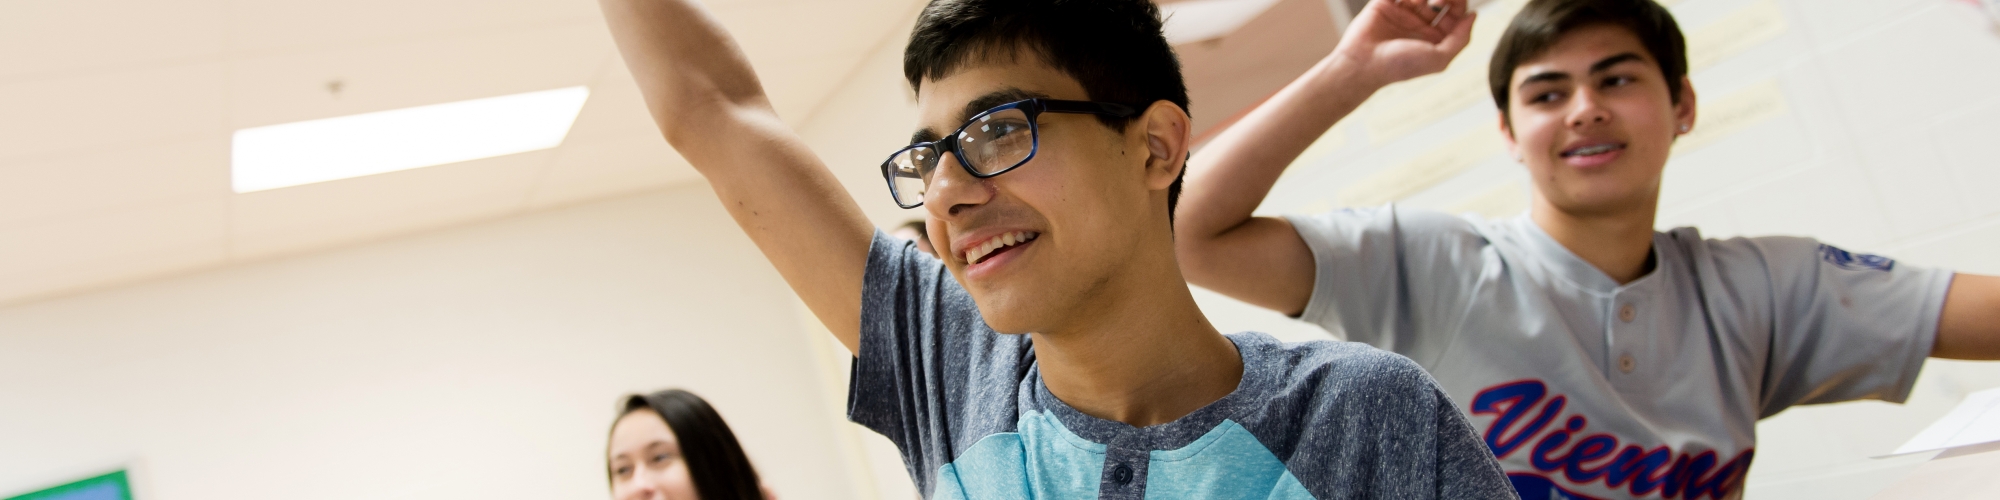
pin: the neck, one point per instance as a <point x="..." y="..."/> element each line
<point x="1141" y="353"/>
<point x="1616" y="242"/>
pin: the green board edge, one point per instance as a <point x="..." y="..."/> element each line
<point x="116" y="477"/>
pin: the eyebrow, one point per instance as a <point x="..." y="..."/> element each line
<point x="979" y="105"/>
<point x="1598" y="67"/>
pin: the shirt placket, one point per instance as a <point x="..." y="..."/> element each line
<point x="1125" y="461"/>
<point x="1627" y="354"/>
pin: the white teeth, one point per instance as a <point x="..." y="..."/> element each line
<point x="980" y="251"/>
<point x="1591" y="150"/>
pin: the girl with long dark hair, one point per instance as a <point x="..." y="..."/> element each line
<point x="671" y="445"/>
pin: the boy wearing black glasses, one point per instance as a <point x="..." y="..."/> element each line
<point x="1054" y="349"/>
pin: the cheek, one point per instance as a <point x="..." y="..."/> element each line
<point x="677" y="483"/>
<point x="1535" y="133"/>
<point x="1652" y="122"/>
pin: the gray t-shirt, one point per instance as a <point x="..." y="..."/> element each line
<point x="970" y="413"/>
<point x="1651" y="389"/>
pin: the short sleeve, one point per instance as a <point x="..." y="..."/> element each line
<point x="1401" y="280"/>
<point x="1466" y="467"/>
<point x="1376" y="425"/>
<point x="930" y="375"/>
<point x="1846" y="326"/>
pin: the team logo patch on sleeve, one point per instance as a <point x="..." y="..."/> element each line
<point x="1854" y="261"/>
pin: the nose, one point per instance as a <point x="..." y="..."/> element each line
<point x="641" y="486"/>
<point x="1588" y="109"/>
<point x="952" y="190"/>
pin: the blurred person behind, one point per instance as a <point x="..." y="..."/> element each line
<point x="914" y="231"/>
<point x="671" y="445"/>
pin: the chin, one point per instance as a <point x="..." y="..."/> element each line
<point x="1600" y="202"/>
<point x="1003" y="315"/>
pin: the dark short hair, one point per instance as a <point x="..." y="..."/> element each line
<point x="1542" y="22"/>
<point x="1114" y="48"/>
<point x="715" y="461"/>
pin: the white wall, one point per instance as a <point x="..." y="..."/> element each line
<point x="480" y="362"/>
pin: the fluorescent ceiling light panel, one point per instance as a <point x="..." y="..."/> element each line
<point x="306" y="152"/>
<point x="1199" y="20"/>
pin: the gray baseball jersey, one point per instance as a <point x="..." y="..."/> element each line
<point x="1585" y="388"/>
<point x="973" y="419"/>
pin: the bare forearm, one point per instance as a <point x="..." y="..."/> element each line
<point x="1234" y="172"/>
<point x="708" y="103"/>
<point x="1969" y="326"/>
<point x="1221" y="246"/>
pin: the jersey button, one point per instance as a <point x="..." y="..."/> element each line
<point x="1627" y="313"/>
<point x="1121" y="474"/>
<point x="1626" y="363"/>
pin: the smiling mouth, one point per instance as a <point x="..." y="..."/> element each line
<point x="997" y="244"/>
<point x="1592" y="150"/>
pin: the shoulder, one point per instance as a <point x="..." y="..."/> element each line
<point x="1333" y="401"/>
<point x="1330" y="369"/>
<point x="1741" y="250"/>
<point x="1770" y="259"/>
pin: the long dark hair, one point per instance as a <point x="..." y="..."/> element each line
<point x="715" y="461"/>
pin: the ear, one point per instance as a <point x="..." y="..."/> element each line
<point x="1167" y="130"/>
<point x="1507" y="136"/>
<point x="1684" y="113"/>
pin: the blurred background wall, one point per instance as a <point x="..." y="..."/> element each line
<point x="463" y="330"/>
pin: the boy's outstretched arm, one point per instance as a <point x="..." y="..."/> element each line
<point x="1969" y="326"/>
<point x="710" y="106"/>
<point x="1261" y="260"/>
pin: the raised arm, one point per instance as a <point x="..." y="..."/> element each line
<point x="1261" y="260"/>
<point x="710" y="106"/>
<point x="1969" y="327"/>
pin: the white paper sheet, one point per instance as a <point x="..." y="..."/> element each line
<point x="1976" y="420"/>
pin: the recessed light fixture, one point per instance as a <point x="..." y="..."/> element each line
<point x="1202" y="20"/>
<point x="306" y="152"/>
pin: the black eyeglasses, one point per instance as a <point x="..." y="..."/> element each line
<point x="993" y="142"/>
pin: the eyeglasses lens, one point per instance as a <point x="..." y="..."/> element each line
<point x="997" y="141"/>
<point x="910" y="171"/>
<point x="992" y="143"/>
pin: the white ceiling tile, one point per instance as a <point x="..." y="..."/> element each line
<point x="615" y="108"/>
<point x="294" y="87"/>
<point x="263" y="26"/>
<point x="798" y="87"/>
<point x="591" y="170"/>
<point x="45" y="116"/>
<point x="113" y="178"/>
<point x="40" y="37"/>
<point x="313" y="216"/>
<point x="70" y="253"/>
<point x="805" y="29"/>
<point x="114" y="136"/>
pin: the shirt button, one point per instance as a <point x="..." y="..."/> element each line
<point x="1121" y="474"/>
<point x="1626" y="363"/>
<point x="1627" y="313"/>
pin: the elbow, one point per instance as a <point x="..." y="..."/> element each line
<point x="689" y="123"/>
